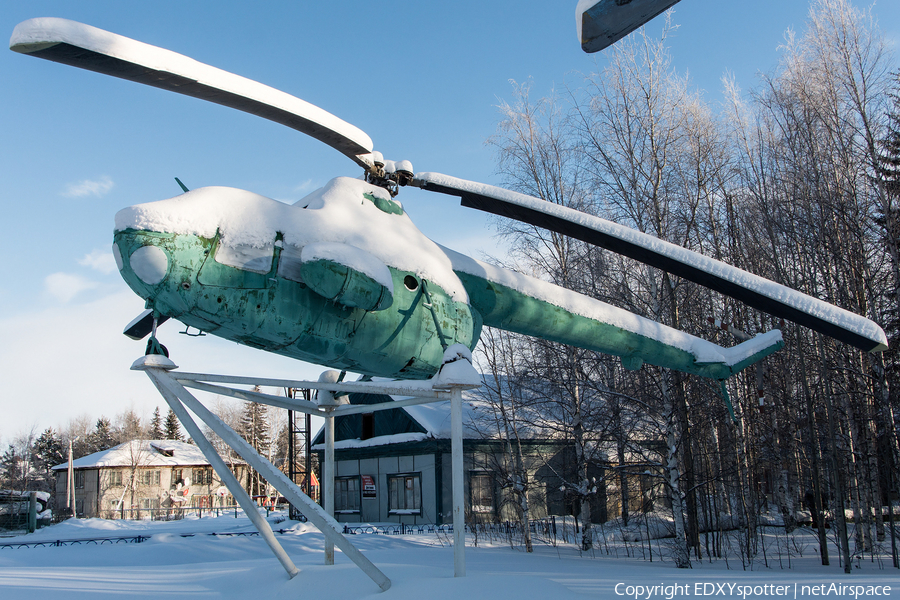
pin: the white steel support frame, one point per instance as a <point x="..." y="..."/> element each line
<point x="328" y="482"/>
<point x="456" y="456"/>
<point x="170" y="393"/>
<point x="173" y="385"/>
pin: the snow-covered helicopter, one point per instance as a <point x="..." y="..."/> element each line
<point x="343" y="277"/>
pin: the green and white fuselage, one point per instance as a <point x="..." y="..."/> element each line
<point x="343" y="278"/>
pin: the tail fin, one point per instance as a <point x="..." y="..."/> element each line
<point x="753" y="350"/>
<point x="737" y="358"/>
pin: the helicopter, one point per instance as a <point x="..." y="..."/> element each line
<point x="345" y="279"/>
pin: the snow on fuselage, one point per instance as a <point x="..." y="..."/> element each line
<point x="345" y="279"/>
<point x="338" y="278"/>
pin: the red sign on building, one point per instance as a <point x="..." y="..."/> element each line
<point x="368" y="486"/>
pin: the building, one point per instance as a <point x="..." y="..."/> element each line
<point x="394" y="466"/>
<point x="143" y="478"/>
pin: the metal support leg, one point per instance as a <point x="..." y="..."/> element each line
<point x="456" y="454"/>
<point x="315" y="513"/>
<point x="450" y="382"/>
<point x="160" y="380"/>
<point x="328" y="482"/>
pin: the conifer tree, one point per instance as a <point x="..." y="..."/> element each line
<point x="49" y="450"/>
<point x="11" y="463"/>
<point x="173" y="429"/>
<point x="889" y="217"/>
<point x="102" y="436"/>
<point x="156" y="430"/>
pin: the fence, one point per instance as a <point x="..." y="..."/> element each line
<point x="136" y="539"/>
<point x="543" y="527"/>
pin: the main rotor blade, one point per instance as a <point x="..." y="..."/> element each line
<point x="750" y="289"/>
<point x="87" y="47"/>
<point x="602" y="23"/>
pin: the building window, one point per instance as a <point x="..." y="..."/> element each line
<point x="201" y="476"/>
<point x="150" y="477"/>
<point x="481" y="493"/>
<point x="405" y="494"/>
<point x="368" y="426"/>
<point x="177" y="477"/>
<point x="115" y="478"/>
<point x="149" y="503"/>
<point x="346" y="494"/>
<point x="79" y="480"/>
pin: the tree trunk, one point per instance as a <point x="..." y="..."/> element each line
<point x="680" y="553"/>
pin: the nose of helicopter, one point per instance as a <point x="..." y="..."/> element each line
<point x="143" y="261"/>
<point x="149" y="264"/>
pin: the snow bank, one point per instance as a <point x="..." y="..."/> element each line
<point x="183" y="560"/>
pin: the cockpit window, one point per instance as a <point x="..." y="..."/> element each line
<point x="289" y="264"/>
<point x="246" y="257"/>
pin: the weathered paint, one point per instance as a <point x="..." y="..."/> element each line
<point x="271" y="312"/>
<point x="503" y="307"/>
<point x="390" y="206"/>
<point x="400" y="339"/>
<point x="344" y="285"/>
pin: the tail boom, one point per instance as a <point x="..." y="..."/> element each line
<point x="514" y="302"/>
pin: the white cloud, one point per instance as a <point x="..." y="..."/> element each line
<point x="99" y="260"/>
<point x="306" y="186"/>
<point x="88" y="187"/>
<point x="65" y="286"/>
<point x="79" y="351"/>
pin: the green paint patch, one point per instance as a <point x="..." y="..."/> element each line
<point x="384" y="205"/>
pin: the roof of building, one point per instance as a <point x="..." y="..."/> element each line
<point x="420" y="422"/>
<point x="142" y="453"/>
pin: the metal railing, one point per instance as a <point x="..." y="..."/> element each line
<point x="545" y="527"/>
<point x="399" y="529"/>
<point x="132" y="539"/>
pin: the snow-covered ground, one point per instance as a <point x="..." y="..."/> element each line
<point x="175" y="564"/>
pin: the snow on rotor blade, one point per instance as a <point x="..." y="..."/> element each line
<point x="755" y="291"/>
<point x="87" y="47"/>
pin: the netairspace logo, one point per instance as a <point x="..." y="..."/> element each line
<point x="794" y="590"/>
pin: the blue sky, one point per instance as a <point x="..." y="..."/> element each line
<point x="422" y="79"/>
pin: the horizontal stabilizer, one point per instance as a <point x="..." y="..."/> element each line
<point x="758" y="292"/>
<point x="751" y="351"/>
